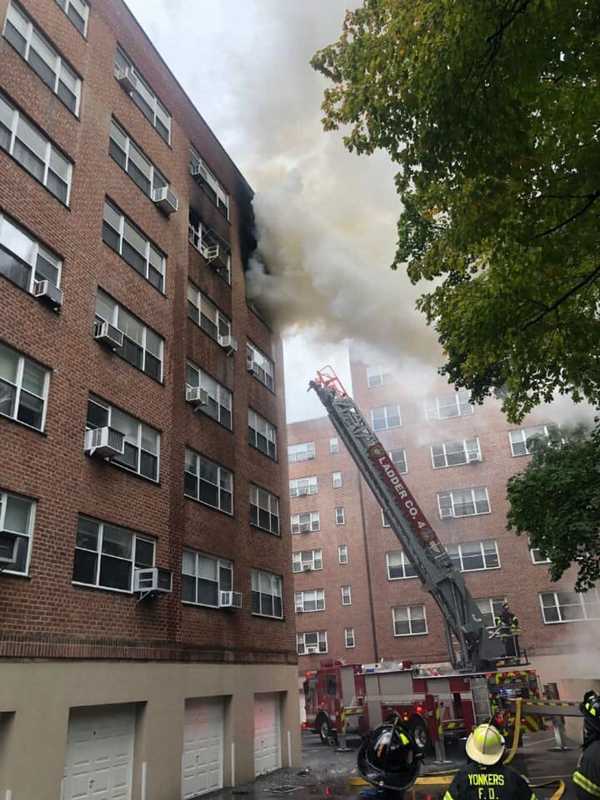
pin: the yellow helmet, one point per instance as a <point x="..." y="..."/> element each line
<point x="485" y="745"/>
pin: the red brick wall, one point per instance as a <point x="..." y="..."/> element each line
<point x="51" y="467"/>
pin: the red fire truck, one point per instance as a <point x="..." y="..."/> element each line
<point x="354" y="698"/>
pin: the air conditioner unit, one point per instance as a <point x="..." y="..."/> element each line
<point x="8" y="548"/>
<point x="108" y="335"/>
<point x="473" y="458"/>
<point x="104" y="442"/>
<point x="299" y="610"/>
<point x="303" y="491"/>
<point x="128" y="79"/>
<point x="165" y="199"/>
<point x="208" y="252"/>
<point x="446" y="513"/>
<point x="306" y="568"/>
<point x="228" y="343"/>
<point x="230" y="599"/>
<point x="47" y="292"/>
<point x="250" y="365"/>
<point x="196" y="396"/>
<point x="312" y="650"/>
<point x="305" y="528"/>
<point x="152" y="579"/>
<point x="198" y="170"/>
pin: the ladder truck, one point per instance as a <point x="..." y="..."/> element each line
<point x="477" y="651"/>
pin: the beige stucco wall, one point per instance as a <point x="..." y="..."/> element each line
<point x="37" y="697"/>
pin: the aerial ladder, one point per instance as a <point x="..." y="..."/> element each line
<point x="477" y="651"/>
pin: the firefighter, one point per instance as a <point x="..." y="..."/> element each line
<point x="587" y="775"/>
<point x="390" y="760"/>
<point x="507" y="624"/>
<point x="484" y="777"/>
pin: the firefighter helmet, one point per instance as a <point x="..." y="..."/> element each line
<point x="485" y="745"/>
<point x="389" y="758"/>
<point x="590" y="708"/>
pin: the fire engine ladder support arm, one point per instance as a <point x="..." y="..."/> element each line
<point x="418" y="539"/>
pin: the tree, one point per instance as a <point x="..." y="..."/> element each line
<point x="491" y="111"/>
<point x="556" y="501"/>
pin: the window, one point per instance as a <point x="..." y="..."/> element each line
<point x="144" y="98"/>
<point x="336" y="480"/>
<point x="378" y="376"/>
<point x="122" y="236"/>
<point x="538" y="556"/>
<point x="78" y="11"/>
<point x="264" y="509"/>
<point x="349" y="638"/>
<point x="261" y="366"/>
<point x="473" y="556"/>
<point x="334" y="446"/>
<point x="306" y="522"/>
<point x="203" y="577"/>
<point x="343" y="554"/>
<point x="346" y="592"/>
<point x="210" y="245"/>
<point x="490" y="608"/>
<point x="386" y="417"/>
<point x="207" y="180"/>
<point x="23" y="260"/>
<point x="307" y="560"/>
<point x="105" y="555"/>
<point x="299" y="487"/>
<point x="409" y="620"/>
<point x="521" y="440"/>
<point x="34" y="152"/>
<point x="301" y="452"/>
<point x="570" y="606"/>
<point x="17" y="516"/>
<point x="142" y="347"/>
<point x="207" y="482"/>
<point x="311" y="600"/>
<point x="340" y="517"/>
<point x="132" y="159"/>
<point x="267" y="594"/>
<point x="398" y="566"/>
<point x="206" y="314"/>
<point x="262" y="435"/>
<point x="453" y="454"/>
<point x="456" y="404"/>
<point x="220" y="399"/>
<point x="142" y="443"/>
<point x="398" y="458"/>
<point x="23" y="388"/>
<point x="30" y="42"/>
<point x="464" y="502"/>
<point x="311" y="642"/>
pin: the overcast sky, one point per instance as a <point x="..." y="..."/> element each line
<point x="326" y="217"/>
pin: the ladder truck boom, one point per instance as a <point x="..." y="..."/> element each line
<point x="418" y="539"/>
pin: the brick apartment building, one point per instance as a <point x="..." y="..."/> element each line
<point x="357" y="598"/>
<point x="124" y="230"/>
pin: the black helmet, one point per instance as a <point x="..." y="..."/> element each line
<point x="389" y="758"/>
<point x="590" y="708"/>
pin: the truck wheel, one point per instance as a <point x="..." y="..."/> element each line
<point x="419" y="733"/>
<point x="324" y="729"/>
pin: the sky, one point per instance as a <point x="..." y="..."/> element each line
<point x="326" y="217"/>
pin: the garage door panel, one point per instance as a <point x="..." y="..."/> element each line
<point x="267" y="733"/>
<point x="202" y="758"/>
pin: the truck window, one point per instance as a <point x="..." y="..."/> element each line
<point x="331" y="685"/>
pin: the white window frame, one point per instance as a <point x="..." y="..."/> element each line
<point x="349" y="638"/>
<point x="391" y="410"/>
<point x="50" y="151"/>
<point x="204" y="307"/>
<point x="460" y="556"/>
<point x="263" y="367"/>
<point x="60" y="63"/>
<point x="66" y="6"/>
<point x="458" y="400"/>
<point x="220" y="563"/>
<point x="537" y="559"/>
<point x="311" y="483"/>
<point x="450" y="493"/>
<point x="221" y="194"/>
<point x="404" y="565"/>
<point x="311" y="558"/>
<point x="149" y="96"/>
<point x="225" y="480"/>
<point x="221" y="395"/>
<point x="489" y="602"/>
<point x="309" y="597"/>
<point x="523" y="435"/>
<point x="22" y="360"/>
<point x="27" y="535"/>
<point x="35" y="250"/>
<point x="346" y="595"/>
<point x="321" y="642"/>
<point x="402" y="467"/>
<point x="302" y="451"/>
<point x="313" y="522"/>
<point x="343" y="554"/>
<point x="149" y="246"/>
<point x="201" y="236"/>
<point x="471" y="451"/>
<point x="377" y="375"/>
<point x="409" y="610"/>
<point x="587" y="617"/>
<point x="340" y="515"/>
<point x="276" y="585"/>
<point x="255" y="495"/>
<point x="155" y="177"/>
<point x="259" y="426"/>
<point x="337" y="480"/>
<point x="385" y="523"/>
<point x="334" y="446"/>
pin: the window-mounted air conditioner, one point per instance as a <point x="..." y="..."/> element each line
<point x="312" y="650"/>
<point x="104" y="442"/>
<point x="229" y="343"/>
<point x="251" y="365"/>
<point x="230" y="599"/>
<point x="165" y="199"/>
<point x="198" y="170"/>
<point x="299" y="610"/>
<point x="108" y="335"/>
<point x="305" y="528"/>
<point x="303" y="490"/>
<point x="473" y="458"/>
<point x="8" y="548"/>
<point x="127" y="79"/>
<point x="306" y="568"/>
<point x="152" y="579"/>
<point x="209" y="252"/>
<point x="446" y="513"/>
<point x="47" y="292"/>
<point x="196" y="396"/>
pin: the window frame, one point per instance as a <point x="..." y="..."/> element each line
<point x="36" y="249"/>
<point x="298" y="560"/>
<point x="340" y="515"/>
<point x="22" y="359"/>
<point x="334" y="446"/>
<point x="343" y="551"/>
<point x="131" y="144"/>
<point x="386" y="415"/>
<point x="491" y="610"/>
<point x="404" y="566"/>
<point x="310" y="449"/>
<point x="198" y="476"/>
<point x="379" y="372"/>
<point x="202" y="303"/>
<point x="535" y="560"/>
<point x="557" y="606"/>
<point x="402" y="468"/>
<point x="271" y="497"/>
<point x="432" y="407"/>
<point x="313" y="481"/>
<point x="302" y="647"/>
<point x="213" y="184"/>
<point x="305" y="596"/>
<point x="220" y="563"/>
<point x="337" y="480"/>
<point x="68" y="4"/>
<point x="254" y="434"/>
<point x="260" y="360"/>
<point x="450" y="493"/>
<point x="409" y="619"/>
<point x="222" y="391"/>
<point x="27" y="535"/>
<point x="524" y="438"/>
<point x="346" y="594"/>
<point x="271" y="575"/>
<point x="157" y="102"/>
<point x="466" y="451"/>
<point x="351" y="637"/>
<point x="385" y="523"/>
<point x="460" y="556"/>
<point x="296" y="524"/>
<point x="200" y="233"/>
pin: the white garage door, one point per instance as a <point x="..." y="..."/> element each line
<point x="202" y="761"/>
<point x="267" y="733"/>
<point x="99" y="758"/>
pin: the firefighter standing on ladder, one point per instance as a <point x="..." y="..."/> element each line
<point x="587" y="775"/>
<point x="507" y="627"/>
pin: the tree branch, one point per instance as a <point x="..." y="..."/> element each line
<point x="592" y="199"/>
<point x="588" y="279"/>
